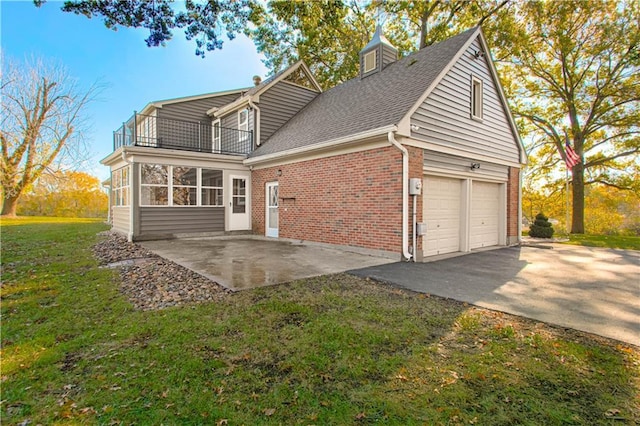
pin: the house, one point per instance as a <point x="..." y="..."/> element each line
<point x="414" y="157"/>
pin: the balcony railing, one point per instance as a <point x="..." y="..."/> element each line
<point x="158" y="132"/>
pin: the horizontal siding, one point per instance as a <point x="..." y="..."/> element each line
<point x="280" y="103"/>
<point x="180" y="220"/>
<point x="120" y="217"/>
<point x="389" y="55"/>
<point x="195" y="110"/>
<point x="435" y="162"/>
<point x="444" y="118"/>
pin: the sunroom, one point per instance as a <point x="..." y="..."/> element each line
<point x="164" y="193"/>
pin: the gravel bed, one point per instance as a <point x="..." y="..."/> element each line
<point x="150" y="281"/>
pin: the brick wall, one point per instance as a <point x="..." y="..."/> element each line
<point x="513" y="202"/>
<point x="416" y="162"/>
<point x="352" y="199"/>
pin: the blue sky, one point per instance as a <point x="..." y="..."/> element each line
<point x="132" y="73"/>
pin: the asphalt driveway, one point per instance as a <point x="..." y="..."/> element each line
<point x="589" y="289"/>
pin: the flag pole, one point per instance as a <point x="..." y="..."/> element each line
<point x="566" y="183"/>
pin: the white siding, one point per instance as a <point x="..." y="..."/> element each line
<point x="444" y="119"/>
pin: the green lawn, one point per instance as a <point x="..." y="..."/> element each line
<point x="330" y="350"/>
<point x="608" y="241"/>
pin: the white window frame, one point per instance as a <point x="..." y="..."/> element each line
<point x="157" y="185"/>
<point x="477" y="89"/>
<point x="216" y="146"/>
<point x="243" y="125"/>
<point x="372" y="66"/>
<point x="203" y="186"/>
<point x="120" y="184"/>
<point x="171" y="185"/>
<point x="175" y="185"/>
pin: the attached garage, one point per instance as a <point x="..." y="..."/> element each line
<point x="464" y="209"/>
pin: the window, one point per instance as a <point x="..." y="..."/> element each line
<point x="211" y="188"/>
<point x="476" y="98"/>
<point x="243" y="124"/>
<point x="154" y="185"/>
<point x="238" y="195"/>
<point x="370" y="61"/>
<point x="216" y="136"/>
<point x="120" y="186"/>
<point x="180" y="186"/>
<point x="185" y="186"/>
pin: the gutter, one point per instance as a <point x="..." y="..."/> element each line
<point x="405" y="194"/>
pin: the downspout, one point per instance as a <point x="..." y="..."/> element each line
<point x="257" y="123"/>
<point x="520" y="173"/>
<point x="405" y="194"/>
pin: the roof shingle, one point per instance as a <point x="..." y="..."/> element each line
<point x="359" y="105"/>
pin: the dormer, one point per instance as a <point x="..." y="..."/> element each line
<point x="377" y="54"/>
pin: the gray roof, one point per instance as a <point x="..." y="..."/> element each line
<point x="359" y="105"/>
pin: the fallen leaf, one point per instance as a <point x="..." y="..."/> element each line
<point x="269" y="411"/>
<point x="222" y="422"/>
<point x="361" y="416"/>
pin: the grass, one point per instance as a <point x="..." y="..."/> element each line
<point x="329" y="350"/>
<point x="607" y="241"/>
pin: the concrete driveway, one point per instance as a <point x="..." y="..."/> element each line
<point x="248" y="261"/>
<point x="589" y="289"/>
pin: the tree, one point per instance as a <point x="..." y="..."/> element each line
<point x="203" y="22"/>
<point x="572" y="73"/>
<point x="329" y="34"/>
<point x="42" y="121"/>
<point x="65" y="194"/>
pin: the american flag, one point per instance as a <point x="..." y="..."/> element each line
<point x="571" y="158"/>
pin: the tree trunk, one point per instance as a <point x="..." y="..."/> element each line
<point x="9" y="206"/>
<point x="577" y="218"/>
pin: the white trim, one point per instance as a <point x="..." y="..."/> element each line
<point x="275" y="231"/>
<point x="161" y="103"/>
<point x="477" y="99"/>
<point x="457" y="152"/>
<point x="175" y="157"/>
<point x="213" y="136"/>
<point x="317" y="147"/>
<point x="404" y="123"/>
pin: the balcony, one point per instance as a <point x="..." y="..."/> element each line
<point x="158" y="132"/>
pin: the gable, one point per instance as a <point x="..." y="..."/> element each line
<point x="444" y="119"/>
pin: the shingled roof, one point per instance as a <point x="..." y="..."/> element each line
<point x="359" y="105"/>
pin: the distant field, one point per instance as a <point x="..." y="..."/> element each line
<point x="331" y="350"/>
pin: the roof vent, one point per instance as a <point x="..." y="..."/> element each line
<point x="257" y="80"/>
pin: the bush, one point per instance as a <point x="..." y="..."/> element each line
<point x="541" y="228"/>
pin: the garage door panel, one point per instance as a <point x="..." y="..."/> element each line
<point x="485" y="211"/>
<point x="441" y="213"/>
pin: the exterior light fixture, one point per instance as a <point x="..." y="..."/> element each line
<point x="478" y="54"/>
<point x="474" y="166"/>
<point x="279" y="173"/>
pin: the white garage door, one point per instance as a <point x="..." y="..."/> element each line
<point x="441" y="213"/>
<point x="485" y="213"/>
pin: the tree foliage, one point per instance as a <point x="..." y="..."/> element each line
<point x="65" y="194"/>
<point x="42" y="122"/>
<point x="572" y="72"/>
<point x="328" y="34"/>
<point x="203" y="22"/>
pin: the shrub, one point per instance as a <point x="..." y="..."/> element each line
<point x="541" y="228"/>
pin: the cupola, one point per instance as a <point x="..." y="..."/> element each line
<point x="377" y="54"/>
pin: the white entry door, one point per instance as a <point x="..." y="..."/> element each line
<point x="238" y="203"/>
<point x="272" y="210"/>
<point x="441" y="213"/>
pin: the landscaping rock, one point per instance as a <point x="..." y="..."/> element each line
<point x="150" y="281"/>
